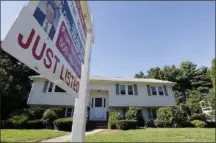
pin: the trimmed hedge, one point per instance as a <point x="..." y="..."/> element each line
<point x="59" y="112"/>
<point x="34" y="124"/>
<point x="126" y="124"/>
<point x="18" y="121"/>
<point x="49" y="116"/>
<point x="113" y="118"/>
<point x="198" y="123"/>
<point x="63" y="124"/>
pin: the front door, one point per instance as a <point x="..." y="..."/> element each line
<point x="98" y="109"/>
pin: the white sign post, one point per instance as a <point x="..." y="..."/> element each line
<point x="79" y="119"/>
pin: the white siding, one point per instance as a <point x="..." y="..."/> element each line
<point x="37" y="97"/>
<point x="142" y="99"/>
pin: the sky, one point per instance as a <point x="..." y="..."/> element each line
<point x="136" y="36"/>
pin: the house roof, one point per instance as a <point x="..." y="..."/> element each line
<point x="120" y="79"/>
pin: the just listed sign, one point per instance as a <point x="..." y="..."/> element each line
<point x="49" y="37"/>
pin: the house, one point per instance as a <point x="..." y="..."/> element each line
<point x="106" y="94"/>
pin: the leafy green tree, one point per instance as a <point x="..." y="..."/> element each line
<point x="139" y="75"/>
<point x="14" y="84"/>
<point x="155" y="73"/>
<point x="213" y="73"/>
<point x="194" y="97"/>
<point x="202" y="80"/>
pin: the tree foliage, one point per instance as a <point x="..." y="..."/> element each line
<point x="213" y="72"/>
<point x="14" y="84"/>
<point x="187" y="76"/>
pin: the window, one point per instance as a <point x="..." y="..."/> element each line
<point x="50" y="87"/>
<point x="59" y="89"/>
<point x="122" y="90"/>
<point x="160" y="90"/>
<point x="130" y="90"/>
<point x="98" y="102"/>
<point x="153" y="90"/>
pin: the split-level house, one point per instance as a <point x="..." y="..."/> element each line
<point x="106" y="94"/>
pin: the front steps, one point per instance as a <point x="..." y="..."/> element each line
<point x="97" y="125"/>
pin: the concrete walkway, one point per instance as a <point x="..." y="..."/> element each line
<point x="67" y="137"/>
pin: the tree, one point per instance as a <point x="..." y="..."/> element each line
<point x="14" y="84"/>
<point x="202" y="80"/>
<point x="139" y="75"/>
<point x="155" y="73"/>
<point x="213" y="73"/>
<point x="194" y="97"/>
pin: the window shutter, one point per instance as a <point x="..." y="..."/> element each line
<point x="45" y="86"/>
<point x="149" y="91"/>
<point x="117" y="89"/>
<point x="165" y="90"/>
<point x="149" y="114"/>
<point x="135" y="89"/>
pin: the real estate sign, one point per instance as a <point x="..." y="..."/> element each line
<point x="49" y="37"/>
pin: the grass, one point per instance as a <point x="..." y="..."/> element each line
<point x="11" y="135"/>
<point x="155" y="135"/>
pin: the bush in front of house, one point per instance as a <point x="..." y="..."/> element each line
<point x="131" y="114"/>
<point x="36" y="113"/>
<point x="63" y="124"/>
<point x="48" y="118"/>
<point x="179" y="118"/>
<point x="34" y="124"/>
<point x="198" y="123"/>
<point x="149" y="123"/>
<point x="126" y="124"/>
<point x="135" y="113"/>
<point x="200" y="117"/>
<point x="164" y="117"/>
<point x="113" y="118"/>
<point x="59" y="112"/>
<point x="18" y="121"/>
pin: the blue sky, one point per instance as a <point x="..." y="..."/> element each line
<point x="135" y="36"/>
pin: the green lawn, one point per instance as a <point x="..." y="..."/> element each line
<point x="155" y="135"/>
<point x="9" y="135"/>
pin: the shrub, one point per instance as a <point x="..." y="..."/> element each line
<point x="48" y="118"/>
<point x="113" y="117"/>
<point x="149" y="123"/>
<point x="210" y="125"/>
<point x="131" y="114"/>
<point x="198" y="123"/>
<point x="164" y="117"/>
<point x="18" y="121"/>
<point x="36" y="113"/>
<point x="200" y="117"/>
<point x="135" y="113"/>
<point x="19" y="112"/>
<point x="179" y="118"/>
<point x="126" y="124"/>
<point x="59" y="112"/>
<point x="63" y="124"/>
<point x="34" y="124"/>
